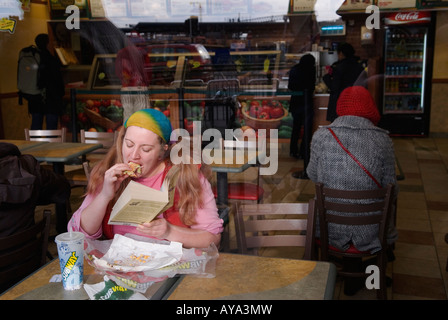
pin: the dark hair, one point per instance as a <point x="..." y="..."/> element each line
<point x="42" y="41"/>
<point x="308" y="59"/>
<point x="346" y="49"/>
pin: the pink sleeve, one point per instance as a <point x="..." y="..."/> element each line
<point x="75" y="222"/>
<point x="207" y="217"/>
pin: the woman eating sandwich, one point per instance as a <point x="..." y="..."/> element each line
<point x="142" y="153"/>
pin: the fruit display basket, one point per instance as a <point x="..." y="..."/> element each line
<point x="98" y="119"/>
<point x="262" y="118"/>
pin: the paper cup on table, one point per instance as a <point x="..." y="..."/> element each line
<point x="71" y="259"/>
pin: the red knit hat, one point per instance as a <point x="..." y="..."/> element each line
<point x="357" y="101"/>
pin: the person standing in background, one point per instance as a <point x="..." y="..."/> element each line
<point x="344" y="73"/>
<point x="52" y="84"/>
<point x="301" y="77"/>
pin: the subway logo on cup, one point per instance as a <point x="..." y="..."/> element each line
<point x="69" y="265"/>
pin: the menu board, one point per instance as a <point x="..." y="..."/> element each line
<point x="57" y="8"/>
<point x="422" y="4"/>
<point x="300" y="6"/>
<point x="96" y="9"/>
<point x="115" y="8"/>
<point x="396" y="4"/>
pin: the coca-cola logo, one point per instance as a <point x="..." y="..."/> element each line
<point x="406" y="16"/>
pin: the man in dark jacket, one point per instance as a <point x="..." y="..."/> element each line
<point x="23" y="186"/>
<point x="52" y="84"/>
<point x="346" y="72"/>
<point x="302" y="77"/>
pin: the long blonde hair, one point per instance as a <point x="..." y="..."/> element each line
<point x="188" y="181"/>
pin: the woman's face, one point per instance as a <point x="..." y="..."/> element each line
<point x="142" y="146"/>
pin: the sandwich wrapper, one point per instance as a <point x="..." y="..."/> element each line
<point x="136" y="262"/>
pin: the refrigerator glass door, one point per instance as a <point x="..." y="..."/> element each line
<point x="404" y="79"/>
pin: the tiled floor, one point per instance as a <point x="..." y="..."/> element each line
<point x="418" y="271"/>
<point x="422" y="218"/>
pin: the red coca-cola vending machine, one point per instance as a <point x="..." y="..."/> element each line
<point x="408" y="56"/>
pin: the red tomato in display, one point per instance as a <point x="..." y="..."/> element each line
<point x="276" y="112"/>
<point x="266" y="108"/>
<point x="263" y="115"/>
<point x="254" y="111"/>
<point x="254" y="103"/>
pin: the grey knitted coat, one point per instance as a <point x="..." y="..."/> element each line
<point x="332" y="166"/>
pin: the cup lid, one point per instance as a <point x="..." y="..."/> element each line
<point x="69" y="236"/>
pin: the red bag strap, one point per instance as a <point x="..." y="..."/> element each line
<point x="354" y="158"/>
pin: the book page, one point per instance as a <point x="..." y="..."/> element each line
<point x="136" y="212"/>
<point x="137" y="204"/>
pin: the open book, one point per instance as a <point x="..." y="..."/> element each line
<point x="139" y="203"/>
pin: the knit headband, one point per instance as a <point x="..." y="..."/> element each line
<point x="153" y="120"/>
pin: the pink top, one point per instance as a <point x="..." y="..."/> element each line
<point x="206" y="217"/>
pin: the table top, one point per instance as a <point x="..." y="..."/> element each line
<point x="237" y="277"/>
<point x="37" y="286"/>
<point x="61" y="151"/>
<point x="260" y="278"/>
<point x="24" y="144"/>
<point x="233" y="164"/>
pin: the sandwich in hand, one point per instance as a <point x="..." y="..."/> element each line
<point x="136" y="170"/>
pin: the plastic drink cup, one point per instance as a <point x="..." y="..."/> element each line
<point x="71" y="259"/>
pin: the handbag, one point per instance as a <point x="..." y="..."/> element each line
<point x="354" y="158"/>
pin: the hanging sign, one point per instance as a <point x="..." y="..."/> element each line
<point x="8" y="25"/>
<point x="396" y="4"/>
<point x="428" y="4"/>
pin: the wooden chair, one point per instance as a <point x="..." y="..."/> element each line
<point x="362" y="212"/>
<point x="275" y="225"/>
<point x="107" y="139"/>
<point x="243" y="191"/>
<point x="79" y="177"/>
<point x="23" y="252"/>
<point x="58" y="135"/>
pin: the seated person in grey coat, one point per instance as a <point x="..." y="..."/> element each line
<point x="331" y="165"/>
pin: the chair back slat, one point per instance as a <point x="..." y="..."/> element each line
<point x="107" y="139"/>
<point x="354" y="208"/>
<point x="58" y="135"/>
<point x="275" y="225"/>
<point x="276" y="241"/>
